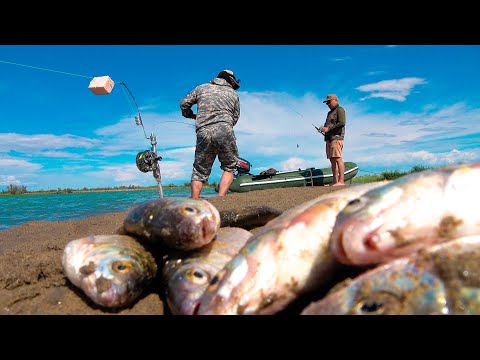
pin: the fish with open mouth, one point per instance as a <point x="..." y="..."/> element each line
<point x="413" y="211"/>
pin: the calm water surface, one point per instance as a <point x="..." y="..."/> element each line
<point x="16" y="210"/>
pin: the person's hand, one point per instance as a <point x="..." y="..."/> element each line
<point x="188" y="113"/>
<point x="324" y="129"/>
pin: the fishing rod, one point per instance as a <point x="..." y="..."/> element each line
<point x="101" y="85"/>
<point x="147" y="160"/>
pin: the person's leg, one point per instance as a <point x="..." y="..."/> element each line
<point x="228" y="157"/>
<point x="337" y="152"/>
<point x="341" y="171"/>
<point x="202" y="166"/>
<point x="333" y="165"/>
<point x="334" y="170"/>
<point x="196" y="188"/>
<point x="225" y="182"/>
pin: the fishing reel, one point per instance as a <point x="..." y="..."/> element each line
<point x="146" y="160"/>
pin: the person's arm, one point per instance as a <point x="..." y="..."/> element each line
<point x="186" y="105"/>
<point x="236" y="111"/>
<point x="341" y="119"/>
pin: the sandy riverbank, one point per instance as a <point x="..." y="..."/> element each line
<point x="32" y="280"/>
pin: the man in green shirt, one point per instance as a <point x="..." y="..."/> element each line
<point x="334" y="131"/>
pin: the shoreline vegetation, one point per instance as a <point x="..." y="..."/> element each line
<point x="14" y="189"/>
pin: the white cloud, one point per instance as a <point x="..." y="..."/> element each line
<point x="42" y="142"/>
<point x="17" y="166"/>
<point x="126" y="135"/>
<point x="375" y="72"/>
<point x="6" y="180"/>
<point x="344" y="58"/>
<point x="129" y="173"/>
<point x="396" y="89"/>
<point x="292" y="164"/>
<point x="59" y="154"/>
<point x="419" y="157"/>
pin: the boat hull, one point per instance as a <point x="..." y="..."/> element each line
<point x="301" y="177"/>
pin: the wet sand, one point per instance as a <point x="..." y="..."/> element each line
<point x="32" y="281"/>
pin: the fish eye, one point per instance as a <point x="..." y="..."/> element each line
<point x="353" y="202"/>
<point x="353" y="205"/>
<point x="214" y="280"/>
<point x="370" y="307"/>
<point x="189" y="210"/>
<point x="197" y="276"/>
<point x="121" y="266"/>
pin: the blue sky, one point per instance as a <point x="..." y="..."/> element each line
<point x="406" y="105"/>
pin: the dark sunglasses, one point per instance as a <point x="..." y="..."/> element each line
<point x="328" y="102"/>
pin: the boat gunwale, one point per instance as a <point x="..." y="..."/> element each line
<point x="302" y="178"/>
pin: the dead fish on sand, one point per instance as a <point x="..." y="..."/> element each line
<point x="413" y="211"/>
<point x="112" y="270"/>
<point x="289" y="256"/>
<point x="438" y="280"/>
<point x="179" y="223"/>
<point x="248" y="217"/>
<point x="186" y="274"/>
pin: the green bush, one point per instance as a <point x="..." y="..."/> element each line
<point x="15" y="189"/>
<point x="388" y="175"/>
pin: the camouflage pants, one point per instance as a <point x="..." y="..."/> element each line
<point x="214" y="140"/>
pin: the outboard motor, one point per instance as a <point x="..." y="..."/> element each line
<point x="243" y="167"/>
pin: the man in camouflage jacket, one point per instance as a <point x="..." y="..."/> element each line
<point x="218" y="110"/>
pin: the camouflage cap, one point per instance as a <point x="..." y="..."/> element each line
<point x="330" y="97"/>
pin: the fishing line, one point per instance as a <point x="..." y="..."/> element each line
<point x="296" y="111"/>
<point x="172" y="121"/>
<point x="72" y="74"/>
<point x="146" y="160"/>
<point x="298" y="114"/>
<point x="46" y="69"/>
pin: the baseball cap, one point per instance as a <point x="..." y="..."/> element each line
<point x="229" y="76"/>
<point x="330" y="97"/>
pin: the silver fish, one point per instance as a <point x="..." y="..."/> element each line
<point x="179" y="223"/>
<point x="413" y="211"/>
<point x="186" y="274"/>
<point x="288" y="257"/>
<point x="438" y="280"/>
<point x="112" y="270"/>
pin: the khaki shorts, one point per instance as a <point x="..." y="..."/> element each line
<point x="334" y="148"/>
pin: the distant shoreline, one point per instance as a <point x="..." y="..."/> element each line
<point x="56" y="192"/>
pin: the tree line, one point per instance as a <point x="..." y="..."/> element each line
<point x="14" y="189"/>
